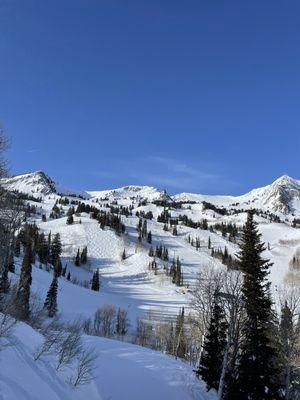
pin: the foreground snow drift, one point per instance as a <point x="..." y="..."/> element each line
<point x="123" y="371"/>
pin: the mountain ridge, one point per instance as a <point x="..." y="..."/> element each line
<point x="281" y="196"/>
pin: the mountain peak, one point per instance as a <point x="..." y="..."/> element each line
<point x="286" y="180"/>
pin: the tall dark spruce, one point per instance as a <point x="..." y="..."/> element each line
<point x="257" y="374"/>
<point x="210" y="366"/>
<point x="51" y="299"/>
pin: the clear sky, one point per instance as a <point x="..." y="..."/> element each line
<point x="194" y="95"/>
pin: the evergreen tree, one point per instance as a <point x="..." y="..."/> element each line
<point x="4" y="281"/>
<point x="56" y="248"/>
<point x="77" y="259"/>
<point x="257" y="375"/>
<point x="69" y="276"/>
<point x="58" y="267"/>
<point x="70" y="220"/>
<point x="144" y="229"/>
<point x="96" y="281"/>
<point x="83" y="256"/>
<point x="210" y="366"/>
<point x="42" y="249"/>
<point x="124" y="255"/>
<point x="51" y="299"/>
<point x="23" y="292"/>
<point x="288" y="339"/>
<point x="17" y="248"/>
<point x="149" y="237"/>
<point x="180" y="337"/>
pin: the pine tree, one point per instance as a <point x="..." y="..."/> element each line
<point x="70" y="220"/>
<point x="51" y="299"/>
<point x="149" y="237"/>
<point x="77" y="259"/>
<point x="288" y="340"/>
<point x="151" y="252"/>
<point x="4" y="281"/>
<point x="69" y="276"/>
<point x="96" y="281"/>
<point x="210" y="366"/>
<point x="257" y="376"/>
<point x="42" y="249"/>
<point x="144" y="229"/>
<point x="56" y="248"/>
<point x="58" y="267"/>
<point x="180" y="337"/>
<point x="17" y="247"/>
<point x="124" y="255"/>
<point x="23" y="292"/>
<point x="83" y="256"/>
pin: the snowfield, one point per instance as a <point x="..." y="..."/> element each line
<point x="123" y="371"/>
<point x="126" y="371"/>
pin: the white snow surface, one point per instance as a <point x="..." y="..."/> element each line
<point x="124" y="370"/>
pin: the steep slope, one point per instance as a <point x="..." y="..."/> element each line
<point x="38" y="184"/>
<point x="282" y="197"/>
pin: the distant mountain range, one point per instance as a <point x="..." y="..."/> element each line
<point x="280" y="197"/>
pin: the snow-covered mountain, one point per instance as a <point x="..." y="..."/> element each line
<point x="38" y="184"/>
<point x="282" y="196"/>
<point x="149" y="193"/>
<point x="131" y="285"/>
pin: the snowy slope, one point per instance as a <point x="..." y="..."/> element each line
<point x="139" y="192"/>
<point x="123" y="371"/>
<point x="130" y="284"/>
<point x="38" y="184"/>
<point x="282" y="196"/>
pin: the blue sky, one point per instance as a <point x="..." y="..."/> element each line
<point x="199" y="96"/>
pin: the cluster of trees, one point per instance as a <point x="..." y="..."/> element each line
<point x="227" y="230"/>
<point x="143" y="214"/>
<point x="81" y="257"/>
<point x="209" y="206"/>
<point x="193" y="224"/>
<point x="224" y="257"/>
<point x="159" y="252"/>
<point x="164" y="216"/>
<point x="108" y="321"/>
<point x="111" y="220"/>
<point x="143" y="232"/>
<point x="176" y="272"/>
<point x="249" y="352"/>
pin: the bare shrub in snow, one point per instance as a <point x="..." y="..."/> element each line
<point x="71" y="346"/>
<point x="104" y="321"/>
<point x="54" y="335"/>
<point x="143" y="333"/>
<point x="85" y="367"/>
<point x="122" y="323"/>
